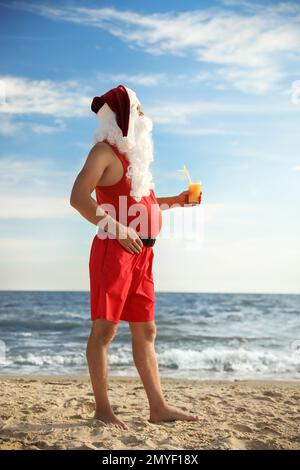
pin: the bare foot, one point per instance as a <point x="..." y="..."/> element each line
<point x="170" y="413"/>
<point x="108" y="417"/>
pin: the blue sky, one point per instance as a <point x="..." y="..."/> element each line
<point x="219" y="80"/>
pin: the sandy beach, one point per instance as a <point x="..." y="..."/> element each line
<point x="56" y="413"/>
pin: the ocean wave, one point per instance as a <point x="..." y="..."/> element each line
<point x="204" y="363"/>
<point x="240" y="360"/>
<point x="199" y="335"/>
<point x="39" y="325"/>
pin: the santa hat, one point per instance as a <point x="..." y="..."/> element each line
<point x="121" y="125"/>
<point x="118" y="100"/>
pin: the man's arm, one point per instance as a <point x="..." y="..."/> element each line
<point x="166" y="202"/>
<point x="96" y="163"/>
<point x="180" y="200"/>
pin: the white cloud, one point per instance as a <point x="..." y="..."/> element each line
<point x="39" y="128"/>
<point x="28" y="174"/>
<point x="250" y="42"/>
<point x="34" y="189"/>
<point x="61" y="99"/>
<point x="135" y="79"/>
<point x="296" y="168"/>
<point x="180" y="112"/>
<point x="10" y="126"/>
<point x="67" y="99"/>
<point x="256" y="80"/>
<point x="36" y="207"/>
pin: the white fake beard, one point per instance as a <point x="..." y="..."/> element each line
<point x="137" y="147"/>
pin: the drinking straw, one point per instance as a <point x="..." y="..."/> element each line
<point x="185" y="171"/>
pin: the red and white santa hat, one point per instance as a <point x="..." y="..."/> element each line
<point x="118" y="104"/>
<point x="121" y="125"/>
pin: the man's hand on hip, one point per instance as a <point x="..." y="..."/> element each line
<point x="129" y="239"/>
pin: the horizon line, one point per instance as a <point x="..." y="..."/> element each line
<point x="160" y="292"/>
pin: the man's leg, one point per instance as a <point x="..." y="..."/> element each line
<point x="143" y="348"/>
<point x="102" y="333"/>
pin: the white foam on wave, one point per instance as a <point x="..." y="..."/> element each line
<point x="208" y="362"/>
<point x="228" y="360"/>
<point x="49" y="360"/>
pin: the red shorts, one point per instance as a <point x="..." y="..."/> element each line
<point x="121" y="283"/>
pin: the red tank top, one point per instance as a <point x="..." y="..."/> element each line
<point x="144" y="216"/>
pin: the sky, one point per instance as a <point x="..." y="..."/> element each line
<point x="221" y="81"/>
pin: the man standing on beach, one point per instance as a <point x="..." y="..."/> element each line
<point x="121" y="256"/>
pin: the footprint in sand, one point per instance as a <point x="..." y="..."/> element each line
<point x="139" y="423"/>
<point x="270" y="393"/>
<point x="257" y="444"/>
<point x="70" y="402"/>
<point x="76" y="417"/>
<point x="41" y="444"/>
<point x="241" y="409"/>
<point x="131" y="440"/>
<point x="38" y="408"/>
<point x="235" y="444"/>
<point x="242" y="428"/>
<point x="270" y="430"/>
